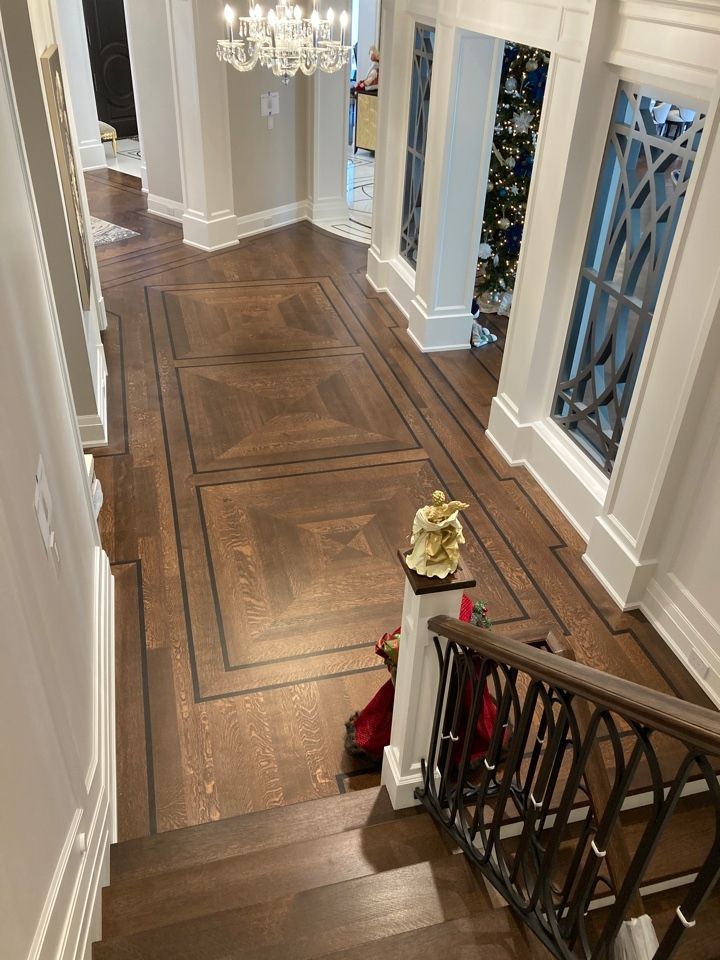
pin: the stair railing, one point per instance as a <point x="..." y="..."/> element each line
<point x="540" y="813"/>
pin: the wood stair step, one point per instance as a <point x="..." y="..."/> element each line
<point x="318" y="922"/>
<point x="278" y="826"/>
<point x="685" y="842"/>
<point x="493" y="934"/>
<point x="701" y="942"/>
<point x="189" y="892"/>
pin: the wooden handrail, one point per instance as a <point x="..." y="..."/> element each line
<point x="696" y="726"/>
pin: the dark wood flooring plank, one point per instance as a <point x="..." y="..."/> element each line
<point x="135" y="798"/>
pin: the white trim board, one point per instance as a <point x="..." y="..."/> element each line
<point x="687" y="628"/>
<point x="165" y="208"/>
<point x="264" y="220"/>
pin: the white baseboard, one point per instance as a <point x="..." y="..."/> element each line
<point x="400" y="789"/>
<point x="395" y="277"/>
<point x="92" y="155"/>
<point x="254" y="223"/>
<point x="102" y="313"/>
<point x="170" y="210"/>
<point x="70" y="916"/>
<point x="440" y="349"/>
<point x="93" y="426"/>
<point x="688" y="629"/>
<point x="322" y="211"/>
<point x="571" y="481"/>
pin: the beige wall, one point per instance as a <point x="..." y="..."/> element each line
<point x="55" y="720"/>
<point x="269" y="166"/>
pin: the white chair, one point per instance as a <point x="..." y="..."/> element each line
<point x="660" y="114"/>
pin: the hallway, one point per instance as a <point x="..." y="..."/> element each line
<point x="272" y="432"/>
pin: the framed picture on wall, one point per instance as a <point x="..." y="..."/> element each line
<point x="62" y="135"/>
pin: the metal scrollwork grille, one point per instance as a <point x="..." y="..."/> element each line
<point x="417" y="139"/>
<point x="643" y="181"/>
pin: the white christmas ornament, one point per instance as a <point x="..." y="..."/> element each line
<point x="510" y="162"/>
<point x="514" y="190"/>
<point x="522" y="121"/>
<point x="531" y="65"/>
<point x="503" y="223"/>
<point x="511" y="84"/>
<point x="505" y="304"/>
<point x="485" y="251"/>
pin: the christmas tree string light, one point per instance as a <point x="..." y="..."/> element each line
<point x="522" y="87"/>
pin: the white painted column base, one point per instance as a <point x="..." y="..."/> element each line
<point x="444" y="329"/>
<point x="210" y="234"/>
<point x="394" y="277"/>
<point x="612" y="557"/>
<point x="416" y="682"/>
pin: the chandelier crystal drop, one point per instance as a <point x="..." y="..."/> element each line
<point x="285" y="41"/>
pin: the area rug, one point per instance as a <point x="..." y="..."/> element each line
<point x="105" y="232"/>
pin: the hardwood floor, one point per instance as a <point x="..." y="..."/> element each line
<point x="272" y="431"/>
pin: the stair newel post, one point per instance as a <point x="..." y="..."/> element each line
<point x="417" y="678"/>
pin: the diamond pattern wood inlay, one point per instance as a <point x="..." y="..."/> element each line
<point x="238" y="319"/>
<point x="281" y="549"/>
<point x="248" y="414"/>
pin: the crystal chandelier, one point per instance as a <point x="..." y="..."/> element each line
<point x="285" y="41"/>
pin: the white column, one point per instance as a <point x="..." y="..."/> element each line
<point x="154" y="91"/>
<point x="567" y="163"/>
<point x="209" y="220"/>
<point x="327" y="162"/>
<point x="463" y="102"/>
<point x="72" y="39"/>
<point x="387" y="271"/>
<point x="417" y="680"/>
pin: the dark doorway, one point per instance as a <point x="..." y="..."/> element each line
<point x="110" y="62"/>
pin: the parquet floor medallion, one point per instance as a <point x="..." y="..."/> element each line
<point x="282" y="549"/>
<point x="248" y="414"/>
<point x="257" y="318"/>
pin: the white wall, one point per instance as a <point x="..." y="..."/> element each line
<point x="269" y="166"/>
<point x="73" y="40"/>
<point x="149" y="42"/>
<point x="367" y="34"/>
<point x="56" y="716"/>
<point x="683" y="598"/>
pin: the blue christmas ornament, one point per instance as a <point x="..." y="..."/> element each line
<point x="513" y="236"/>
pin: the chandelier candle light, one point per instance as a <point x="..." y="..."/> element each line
<point x="285" y="41"/>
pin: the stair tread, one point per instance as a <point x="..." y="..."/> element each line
<point x="685" y="841"/>
<point x="316" y="922"/>
<point x="251" y="832"/>
<point x="161" y="899"/>
<point x="492" y="934"/>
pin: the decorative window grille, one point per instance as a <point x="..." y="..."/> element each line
<point x="647" y="165"/>
<point x="416" y="141"/>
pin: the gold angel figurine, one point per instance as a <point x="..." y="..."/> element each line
<point x="436" y="537"/>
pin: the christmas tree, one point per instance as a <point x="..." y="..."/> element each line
<point x="522" y="87"/>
